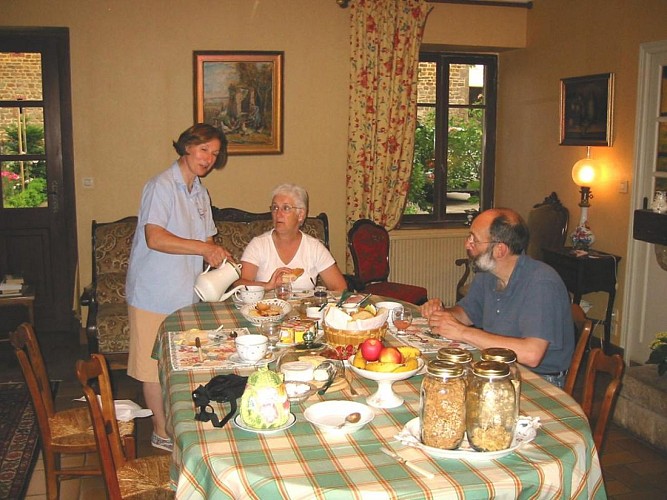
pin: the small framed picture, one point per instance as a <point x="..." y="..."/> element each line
<point x="242" y="94"/>
<point x="586" y="114"/>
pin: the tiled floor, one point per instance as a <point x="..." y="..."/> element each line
<point x="631" y="468"/>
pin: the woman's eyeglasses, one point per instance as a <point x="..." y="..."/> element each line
<point x="283" y="208"/>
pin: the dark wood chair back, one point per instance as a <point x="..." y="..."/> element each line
<point x="583" y="327"/>
<point x="613" y="366"/>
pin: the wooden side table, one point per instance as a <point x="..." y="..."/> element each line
<point x="595" y="272"/>
<point x="25" y="299"/>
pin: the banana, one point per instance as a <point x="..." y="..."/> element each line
<point x="382" y="367"/>
<point x="359" y="361"/>
<point x="409" y="365"/>
<point x="409" y="351"/>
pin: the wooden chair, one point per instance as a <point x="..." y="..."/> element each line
<point x="146" y="477"/>
<point x="613" y="366"/>
<point x="369" y="246"/>
<point x="62" y="432"/>
<point x="547" y="224"/>
<point x="584" y="327"/>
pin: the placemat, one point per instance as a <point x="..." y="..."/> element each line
<point x="419" y="335"/>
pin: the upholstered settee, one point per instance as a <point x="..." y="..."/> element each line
<point x="107" y="327"/>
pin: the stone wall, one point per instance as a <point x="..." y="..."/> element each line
<point x="20" y="79"/>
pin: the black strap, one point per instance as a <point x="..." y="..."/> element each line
<point x="221" y="388"/>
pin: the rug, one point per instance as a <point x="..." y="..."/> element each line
<point x="19" y="436"/>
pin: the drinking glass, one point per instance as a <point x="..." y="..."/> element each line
<point x="271" y="329"/>
<point x="402" y="319"/>
<point x="284" y="290"/>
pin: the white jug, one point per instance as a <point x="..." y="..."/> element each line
<point x="210" y="285"/>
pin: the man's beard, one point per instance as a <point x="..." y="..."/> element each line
<point x="484" y="261"/>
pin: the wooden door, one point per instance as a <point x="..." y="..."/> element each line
<point x="37" y="209"/>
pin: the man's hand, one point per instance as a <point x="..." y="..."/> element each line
<point x="430" y="307"/>
<point x="444" y="323"/>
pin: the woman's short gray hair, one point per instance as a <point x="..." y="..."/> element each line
<point x="299" y="194"/>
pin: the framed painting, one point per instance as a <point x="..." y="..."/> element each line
<point x="586" y="113"/>
<point x="241" y="93"/>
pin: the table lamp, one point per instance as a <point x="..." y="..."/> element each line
<point x="584" y="173"/>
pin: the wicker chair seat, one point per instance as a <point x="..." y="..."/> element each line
<point x="147" y="478"/>
<point x="72" y="428"/>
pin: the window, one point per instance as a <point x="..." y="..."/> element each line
<point x="453" y="165"/>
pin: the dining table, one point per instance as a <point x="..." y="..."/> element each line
<point x="303" y="462"/>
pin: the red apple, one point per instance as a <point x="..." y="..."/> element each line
<point x="370" y="349"/>
<point x="390" y="355"/>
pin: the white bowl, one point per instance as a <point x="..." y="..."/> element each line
<point x="328" y="415"/>
<point x="250" y="312"/>
<point x="251" y="348"/>
<point x="380" y="376"/>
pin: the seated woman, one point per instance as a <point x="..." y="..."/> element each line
<point x="286" y="250"/>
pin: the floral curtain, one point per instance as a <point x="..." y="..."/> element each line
<point x="384" y="41"/>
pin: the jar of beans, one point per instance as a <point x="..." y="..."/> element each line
<point x="490" y="407"/>
<point x="507" y="356"/>
<point x="457" y="356"/>
<point x="443" y="405"/>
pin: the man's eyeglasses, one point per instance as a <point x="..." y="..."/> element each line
<point x="283" y="208"/>
<point x="474" y="241"/>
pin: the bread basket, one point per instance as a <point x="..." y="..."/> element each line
<point x="336" y="337"/>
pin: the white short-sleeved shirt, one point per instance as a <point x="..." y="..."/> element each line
<point x="312" y="256"/>
<point x="158" y="281"/>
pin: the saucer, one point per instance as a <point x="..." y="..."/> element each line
<point x="236" y="359"/>
<point x="238" y="422"/>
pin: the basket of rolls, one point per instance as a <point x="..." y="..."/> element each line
<point x="343" y="328"/>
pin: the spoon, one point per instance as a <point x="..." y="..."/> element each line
<point x="352" y="418"/>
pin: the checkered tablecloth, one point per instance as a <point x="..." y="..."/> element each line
<point x="304" y="463"/>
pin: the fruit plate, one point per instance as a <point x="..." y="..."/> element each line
<point x="251" y="313"/>
<point x="328" y="415"/>
<point x="525" y="432"/>
<point x="385" y="397"/>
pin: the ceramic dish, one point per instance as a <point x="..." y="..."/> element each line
<point x="385" y="397"/>
<point x="298" y="392"/>
<point x="238" y="422"/>
<point x="328" y="415"/>
<point x="525" y="432"/>
<point x="249" y="311"/>
<point x="301" y="294"/>
<point x="236" y="360"/>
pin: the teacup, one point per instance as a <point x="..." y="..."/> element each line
<point x="389" y="305"/>
<point x="250" y="294"/>
<point x="251" y="348"/>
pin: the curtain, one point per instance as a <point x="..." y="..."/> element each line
<point x="384" y="55"/>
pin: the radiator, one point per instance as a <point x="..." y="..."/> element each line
<point x="426" y="258"/>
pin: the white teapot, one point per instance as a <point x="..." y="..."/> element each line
<point x="210" y="285"/>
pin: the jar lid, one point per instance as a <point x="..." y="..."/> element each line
<point x="499" y="354"/>
<point x="491" y="369"/>
<point x="454" y="354"/>
<point x="444" y="368"/>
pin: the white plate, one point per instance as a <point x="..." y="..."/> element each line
<point x="524" y="434"/>
<point x="327" y="415"/>
<point x="238" y="422"/>
<point x="302" y="294"/>
<point x="234" y="358"/>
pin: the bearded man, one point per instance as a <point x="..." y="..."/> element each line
<point x="514" y="301"/>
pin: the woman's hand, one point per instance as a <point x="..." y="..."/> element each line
<point x="277" y="277"/>
<point x="430" y="307"/>
<point x="215" y="255"/>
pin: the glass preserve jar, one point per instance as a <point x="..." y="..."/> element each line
<point x="490" y="407"/>
<point x="507" y="356"/>
<point x="443" y="405"/>
<point x="457" y="356"/>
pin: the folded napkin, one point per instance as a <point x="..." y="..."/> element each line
<point x="126" y="410"/>
<point x="340" y="320"/>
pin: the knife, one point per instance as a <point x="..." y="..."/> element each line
<point x="407" y="463"/>
<point x="198" y="346"/>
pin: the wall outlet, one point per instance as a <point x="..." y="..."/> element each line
<point x="88" y="182"/>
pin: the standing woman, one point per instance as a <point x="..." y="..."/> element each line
<point x="174" y="238"/>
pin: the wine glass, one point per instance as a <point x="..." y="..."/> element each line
<point x="402" y="319"/>
<point x="271" y="329"/>
<point x="284" y="290"/>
